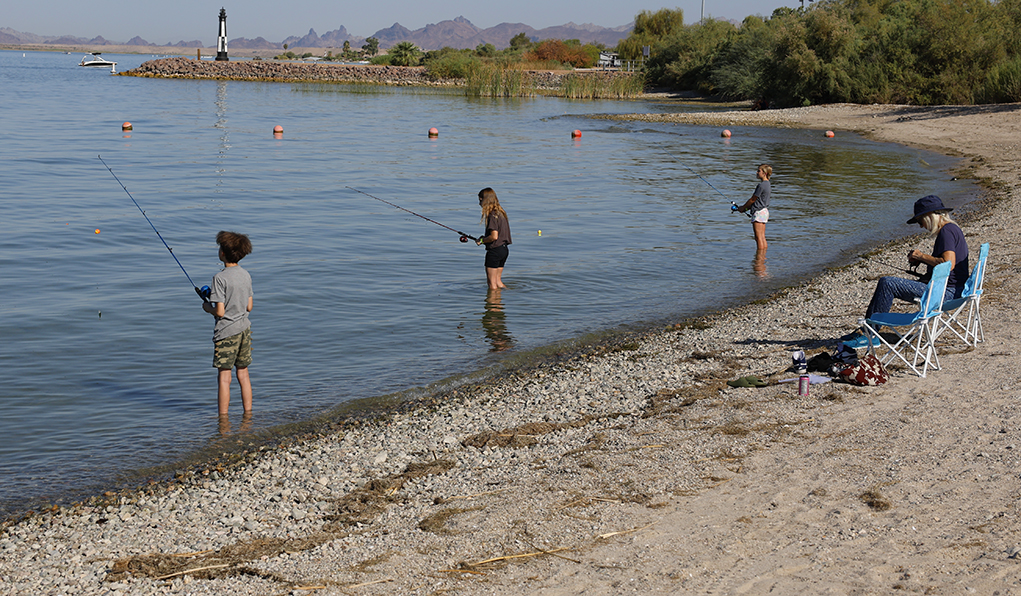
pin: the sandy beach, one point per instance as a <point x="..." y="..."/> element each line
<point x="629" y="467"/>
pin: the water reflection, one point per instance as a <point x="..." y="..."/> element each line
<point x="494" y="323"/>
<point x="225" y="428"/>
<point x="759" y="264"/>
<point x="221" y="123"/>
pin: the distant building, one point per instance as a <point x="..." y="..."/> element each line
<point x="221" y="37"/>
<point x="608" y="60"/>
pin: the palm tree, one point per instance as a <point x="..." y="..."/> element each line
<point x="404" y="53"/>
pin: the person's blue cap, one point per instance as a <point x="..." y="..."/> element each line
<point x="927" y="205"/>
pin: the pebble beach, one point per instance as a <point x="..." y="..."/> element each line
<point x="628" y="466"/>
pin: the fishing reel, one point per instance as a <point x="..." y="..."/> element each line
<point x="735" y="209"/>
<point x="464" y="238"/>
<point x="203" y="293"/>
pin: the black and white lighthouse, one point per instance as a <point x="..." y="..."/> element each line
<point x="221" y="38"/>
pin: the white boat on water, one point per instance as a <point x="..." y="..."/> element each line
<point x="97" y="61"/>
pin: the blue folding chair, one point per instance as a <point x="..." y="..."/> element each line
<point x="961" y="316"/>
<point x="915" y="343"/>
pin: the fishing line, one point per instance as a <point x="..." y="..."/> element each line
<point x="732" y="203"/>
<point x="204" y="292"/>
<point x="464" y="237"/>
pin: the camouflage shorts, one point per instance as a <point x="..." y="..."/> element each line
<point x="234" y="351"/>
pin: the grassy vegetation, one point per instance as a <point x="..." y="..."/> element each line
<point x="491" y="80"/>
<point x="488" y="72"/>
<point x="602" y="87"/>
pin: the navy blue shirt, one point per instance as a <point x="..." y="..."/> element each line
<point x="950" y="237"/>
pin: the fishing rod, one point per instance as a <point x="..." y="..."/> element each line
<point x="733" y="206"/>
<point x="912" y="271"/>
<point x="464" y="237"/>
<point x="202" y="292"/>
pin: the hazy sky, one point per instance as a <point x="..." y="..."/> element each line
<point x="170" y="22"/>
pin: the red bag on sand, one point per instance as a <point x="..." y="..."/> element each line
<point x="869" y="371"/>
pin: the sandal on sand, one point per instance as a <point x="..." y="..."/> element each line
<point x="747" y="382"/>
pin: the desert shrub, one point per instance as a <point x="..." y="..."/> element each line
<point x="448" y="63"/>
<point x="556" y="50"/>
<point x="1002" y="83"/>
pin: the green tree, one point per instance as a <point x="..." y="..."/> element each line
<point x="650" y="28"/>
<point x="520" y="41"/>
<point x="371" y="46"/>
<point x="683" y="58"/>
<point x="736" y="71"/>
<point x="405" y="53"/>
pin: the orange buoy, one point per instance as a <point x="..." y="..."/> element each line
<point x="278" y="129"/>
<point x="126" y="126"/>
<point x="434" y="132"/>
<point x="576" y="134"/>
<point x="829" y="133"/>
<point x="97" y="230"/>
<point x="725" y="134"/>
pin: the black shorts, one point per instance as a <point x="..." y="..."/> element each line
<point x="496" y="257"/>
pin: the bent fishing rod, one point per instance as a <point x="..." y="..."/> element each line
<point x="733" y="206"/>
<point x="204" y="291"/>
<point x="464" y="237"/>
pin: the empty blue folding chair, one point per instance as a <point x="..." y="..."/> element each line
<point x="915" y="333"/>
<point x="961" y="316"/>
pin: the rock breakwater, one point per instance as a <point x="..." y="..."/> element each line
<point x="322" y="72"/>
<point x="285" y="72"/>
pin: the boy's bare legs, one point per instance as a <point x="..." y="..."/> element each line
<point x="246" y="389"/>
<point x="760" y="235"/>
<point x="223" y="389"/>
<point x="223" y="379"/>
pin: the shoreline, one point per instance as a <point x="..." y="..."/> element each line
<point x="637" y="460"/>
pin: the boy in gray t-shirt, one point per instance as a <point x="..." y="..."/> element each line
<point x="230" y="301"/>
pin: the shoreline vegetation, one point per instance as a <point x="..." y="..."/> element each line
<point x="481" y="80"/>
<point x="628" y="465"/>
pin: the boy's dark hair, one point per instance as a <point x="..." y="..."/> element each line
<point x="234" y="246"/>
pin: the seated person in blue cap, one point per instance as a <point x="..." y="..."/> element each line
<point x="949" y="246"/>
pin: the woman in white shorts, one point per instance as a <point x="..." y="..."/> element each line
<point x="759" y="205"/>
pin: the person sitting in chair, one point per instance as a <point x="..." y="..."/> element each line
<point x="950" y="246"/>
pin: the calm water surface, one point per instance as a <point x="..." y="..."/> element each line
<point x="105" y="352"/>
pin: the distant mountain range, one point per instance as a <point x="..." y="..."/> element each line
<point x="458" y="33"/>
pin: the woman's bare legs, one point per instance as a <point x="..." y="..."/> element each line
<point x="760" y="235"/>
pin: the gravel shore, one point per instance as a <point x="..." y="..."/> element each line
<point x="629" y="467"/>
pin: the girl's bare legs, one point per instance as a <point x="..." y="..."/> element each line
<point x="493" y="278"/>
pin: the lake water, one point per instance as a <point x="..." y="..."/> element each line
<point x="106" y="354"/>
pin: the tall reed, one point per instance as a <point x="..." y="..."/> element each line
<point x="490" y="80"/>
<point x="598" y="86"/>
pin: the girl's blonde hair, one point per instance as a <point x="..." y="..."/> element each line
<point x="935" y="220"/>
<point x="490" y="204"/>
<point x="768" y="169"/>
